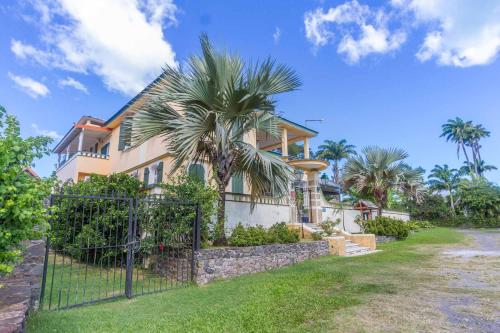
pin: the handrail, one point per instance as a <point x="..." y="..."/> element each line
<point x="82" y="153"/>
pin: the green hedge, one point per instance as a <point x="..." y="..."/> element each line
<point x="386" y="226"/>
<point x="256" y="235"/>
<point x="469" y="222"/>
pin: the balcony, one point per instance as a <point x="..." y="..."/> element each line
<point x="81" y="164"/>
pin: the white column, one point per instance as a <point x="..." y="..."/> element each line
<point x="306" y="148"/>
<point x="80" y="140"/>
<point x="58" y="159"/>
<point x="67" y="152"/>
<point x="284" y="142"/>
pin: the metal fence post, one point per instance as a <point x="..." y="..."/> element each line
<point x="130" y="250"/>
<point x="197" y="229"/>
<point x="46" y="259"/>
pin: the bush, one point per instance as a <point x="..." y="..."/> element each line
<point x="21" y="196"/>
<point x="386" y="226"/>
<point x="316" y="236"/>
<point x="469" y="222"/>
<point x="416" y="225"/>
<point x="257" y="235"/>
<point x="329" y="226"/>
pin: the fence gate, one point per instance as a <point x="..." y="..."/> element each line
<point x="106" y="246"/>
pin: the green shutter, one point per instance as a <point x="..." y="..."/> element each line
<point x="197" y="171"/>
<point x="146" y="176"/>
<point x="105" y="149"/>
<point x="125" y="137"/>
<point x="159" y="173"/>
<point x="237" y="183"/>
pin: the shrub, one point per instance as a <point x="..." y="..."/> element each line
<point x="316" y="236"/>
<point x="329" y="226"/>
<point x="469" y="222"/>
<point x="386" y="226"/>
<point x="257" y="235"/>
<point x="21" y="196"/>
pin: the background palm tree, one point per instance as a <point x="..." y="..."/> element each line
<point x="476" y="133"/>
<point x="458" y="131"/>
<point x="335" y="152"/>
<point x="218" y="100"/>
<point x="378" y="171"/>
<point x="442" y="178"/>
<point x="480" y="166"/>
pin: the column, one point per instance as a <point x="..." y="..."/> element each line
<point x="67" y="152"/>
<point x="284" y="142"/>
<point x="315" y="197"/>
<point x="306" y="148"/>
<point x="80" y="140"/>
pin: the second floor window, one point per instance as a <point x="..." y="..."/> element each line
<point x="125" y="139"/>
<point x="105" y="149"/>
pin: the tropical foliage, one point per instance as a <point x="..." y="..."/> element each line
<point x="442" y="178"/>
<point x="257" y="235"/>
<point x="378" y="171"/>
<point x="218" y="100"/>
<point x="21" y="195"/>
<point x="335" y="152"/>
<point x="467" y="135"/>
<point x="386" y="226"/>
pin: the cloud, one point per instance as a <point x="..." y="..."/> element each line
<point x="70" y="82"/>
<point x="30" y="86"/>
<point x="121" y="41"/>
<point x="277" y="35"/>
<point x="460" y="33"/>
<point x="362" y="30"/>
<point x="51" y="134"/>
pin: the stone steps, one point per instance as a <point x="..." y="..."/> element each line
<point x="353" y="249"/>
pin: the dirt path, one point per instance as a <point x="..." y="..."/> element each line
<point x="457" y="291"/>
<point x="472" y="301"/>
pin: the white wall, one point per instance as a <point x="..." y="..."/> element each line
<point x="396" y="215"/>
<point x="263" y="214"/>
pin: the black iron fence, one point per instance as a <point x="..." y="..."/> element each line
<point x="106" y="246"/>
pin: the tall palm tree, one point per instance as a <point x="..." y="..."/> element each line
<point x="204" y="112"/>
<point x="442" y="178"/>
<point x="378" y="171"/>
<point x="458" y="131"/>
<point x="335" y="152"/>
<point x="476" y="133"/>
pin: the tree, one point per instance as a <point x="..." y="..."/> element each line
<point x="378" y="171"/>
<point x="21" y="195"/>
<point x="336" y="152"/>
<point x="479" y="199"/>
<point x="480" y="166"/>
<point x="218" y="100"/>
<point x="475" y="134"/>
<point x="458" y="131"/>
<point x="442" y="178"/>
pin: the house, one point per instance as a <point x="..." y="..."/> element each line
<point x="94" y="145"/>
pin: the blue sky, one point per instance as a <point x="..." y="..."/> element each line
<point x="385" y="73"/>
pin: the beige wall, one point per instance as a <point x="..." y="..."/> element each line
<point x="79" y="166"/>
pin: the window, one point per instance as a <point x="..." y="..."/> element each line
<point x="146" y="177"/>
<point x="237" y="183"/>
<point x="105" y="149"/>
<point x="197" y="171"/>
<point x="125" y="136"/>
<point x="159" y="173"/>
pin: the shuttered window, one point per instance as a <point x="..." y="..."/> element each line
<point x="159" y="173"/>
<point x="105" y="149"/>
<point x="125" y="138"/>
<point x="237" y="183"/>
<point x="197" y="171"/>
<point x="146" y="176"/>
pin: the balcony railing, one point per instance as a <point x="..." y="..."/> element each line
<point x="82" y="153"/>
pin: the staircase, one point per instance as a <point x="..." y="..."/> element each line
<point x="353" y="249"/>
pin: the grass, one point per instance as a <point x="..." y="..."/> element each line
<point x="300" y="298"/>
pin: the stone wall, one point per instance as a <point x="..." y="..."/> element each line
<point x="212" y="264"/>
<point x="19" y="291"/>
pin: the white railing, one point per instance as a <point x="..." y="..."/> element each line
<point x="83" y="153"/>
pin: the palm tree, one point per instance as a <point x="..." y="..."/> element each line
<point x="442" y="178"/>
<point x="378" y="171"/>
<point x="203" y="114"/>
<point x="480" y="166"/>
<point x="458" y="131"/>
<point x="476" y="133"/>
<point x="336" y="152"/>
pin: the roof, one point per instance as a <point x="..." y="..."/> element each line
<point x="301" y="127"/>
<point x="31" y="172"/>
<point x="73" y="131"/>
<point x="365" y="203"/>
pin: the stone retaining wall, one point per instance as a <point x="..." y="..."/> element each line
<point x="212" y="264"/>
<point x="19" y="291"/>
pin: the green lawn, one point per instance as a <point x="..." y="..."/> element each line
<point x="293" y="299"/>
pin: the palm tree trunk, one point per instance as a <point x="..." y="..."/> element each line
<point x="452" y="204"/>
<point x="336" y="172"/>
<point x="220" y="235"/>
<point x="466" y="156"/>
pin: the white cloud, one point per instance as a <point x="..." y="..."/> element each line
<point x="30" y="86"/>
<point x="362" y="30"/>
<point x="70" y="82"/>
<point x="277" y="35"/>
<point x="121" y="41"/>
<point x="461" y="33"/>
<point x="51" y="134"/>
